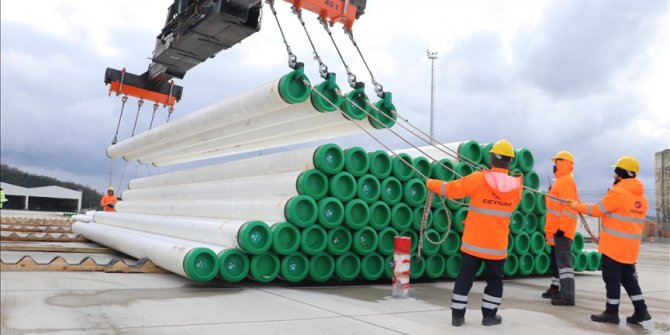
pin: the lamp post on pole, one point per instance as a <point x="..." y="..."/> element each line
<point x="432" y="55"/>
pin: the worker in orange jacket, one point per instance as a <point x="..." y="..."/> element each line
<point x="109" y="201"/>
<point x="494" y="195"/>
<point x="623" y="211"/>
<point x="560" y="227"/>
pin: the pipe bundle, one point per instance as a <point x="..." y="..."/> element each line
<point x="325" y="212"/>
<point x="282" y="112"/>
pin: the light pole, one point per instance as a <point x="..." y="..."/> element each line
<point x="432" y="55"/>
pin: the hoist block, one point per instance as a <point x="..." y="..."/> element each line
<point x="333" y="11"/>
<point x="122" y="82"/>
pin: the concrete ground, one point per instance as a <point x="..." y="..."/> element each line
<point x="115" y="303"/>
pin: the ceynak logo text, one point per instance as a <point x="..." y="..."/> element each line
<point x="497" y="202"/>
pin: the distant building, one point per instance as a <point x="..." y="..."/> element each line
<point x="46" y="198"/>
<point x="663" y="191"/>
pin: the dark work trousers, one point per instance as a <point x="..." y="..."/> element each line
<point x="494" y="285"/>
<point x="553" y="267"/>
<point x="564" y="263"/>
<point x="615" y="275"/>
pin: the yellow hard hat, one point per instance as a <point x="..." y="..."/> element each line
<point x="110" y="189"/>
<point x="628" y="163"/>
<point x="503" y="148"/>
<point x="566" y="155"/>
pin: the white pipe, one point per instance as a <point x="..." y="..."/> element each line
<point x="165" y="253"/>
<point x="224" y="233"/>
<point x="300" y="159"/>
<point x="262" y="99"/>
<point x="265" y="209"/>
<point x="282" y="132"/>
<point x="283" y="184"/>
<point x="435" y="152"/>
<point x="260" y="124"/>
<point x="83" y="217"/>
<point x="338" y="129"/>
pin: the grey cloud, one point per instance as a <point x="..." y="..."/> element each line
<point x="579" y="45"/>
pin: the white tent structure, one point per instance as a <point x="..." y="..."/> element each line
<point x="31" y="196"/>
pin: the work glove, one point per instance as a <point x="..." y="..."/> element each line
<point x="572" y="204"/>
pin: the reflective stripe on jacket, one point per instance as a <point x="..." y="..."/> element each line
<point x="623" y="210"/>
<point x="494" y="195"/>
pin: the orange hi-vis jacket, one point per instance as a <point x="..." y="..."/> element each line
<point x="108" y="200"/>
<point x="623" y="210"/>
<point x="559" y="214"/>
<point x="494" y="195"/>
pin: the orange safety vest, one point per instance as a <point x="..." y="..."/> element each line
<point x="108" y="200"/>
<point x="623" y="210"/>
<point x="494" y="195"/>
<point x="559" y="214"/>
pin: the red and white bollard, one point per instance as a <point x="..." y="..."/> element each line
<point x="402" y="246"/>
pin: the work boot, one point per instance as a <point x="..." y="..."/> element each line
<point x="551" y="292"/>
<point x="457" y="321"/>
<point x="638" y="317"/>
<point x="606" y="317"/>
<point x="492" y="320"/>
<point x="561" y="300"/>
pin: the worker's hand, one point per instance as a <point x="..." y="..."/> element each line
<point x="433" y="184"/>
<point x="572" y="204"/>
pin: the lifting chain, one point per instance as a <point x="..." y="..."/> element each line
<point x="292" y="59"/>
<point x="118" y="124"/>
<point x="139" y="107"/>
<point x="153" y="115"/>
<point x="323" y="68"/>
<point x="379" y="88"/>
<point x="351" y="78"/>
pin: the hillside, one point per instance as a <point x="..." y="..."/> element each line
<point x="12" y="175"/>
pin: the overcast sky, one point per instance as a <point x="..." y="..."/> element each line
<point x="590" y="77"/>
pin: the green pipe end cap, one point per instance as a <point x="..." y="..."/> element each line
<point x="435" y="265"/>
<point x="294" y="87"/>
<point x="386" y="241"/>
<point x="380" y="215"/>
<point x="356" y="214"/>
<point x="254" y="237"/>
<point x="234" y="265"/>
<point x="471" y="151"/>
<point x="372" y="266"/>
<point x="201" y="264"/>
<point x="356" y="104"/>
<point x="391" y="191"/>
<point x="380" y="164"/>
<point x="384" y="115"/>
<point x="294" y="267"/>
<point x="356" y="161"/>
<point x="402" y="167"/>
<point x="301" y="210"/>
<point x="339" y="241"/>
<point x="321" y="267"/>
<point x="368" y="188"/>
<point x="526" y="263"/>
<point x="347" y="266"/>
<point x="325" y="97"/>
<point x="285" y="238"/>
<point x="331" y="212"/>
<point x="453" y="266"/>
<point x="542" y="263"/>
<point x="401" y="216"/>
<point x="524" y="159"/>
<point x="314" y="240"/>
<point x="364" y="241"/>
<point x="264" y="268"/>
<point x="422" y="165"/>
<point x="511" y="265"/>
<point x="415" y="192"/>
<point x="329" y="158"/>
<point x="313" y="183"/>
<point x="342" y="186"/>
<point x="442" y="170"/>
<point x="452" y="244"/>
